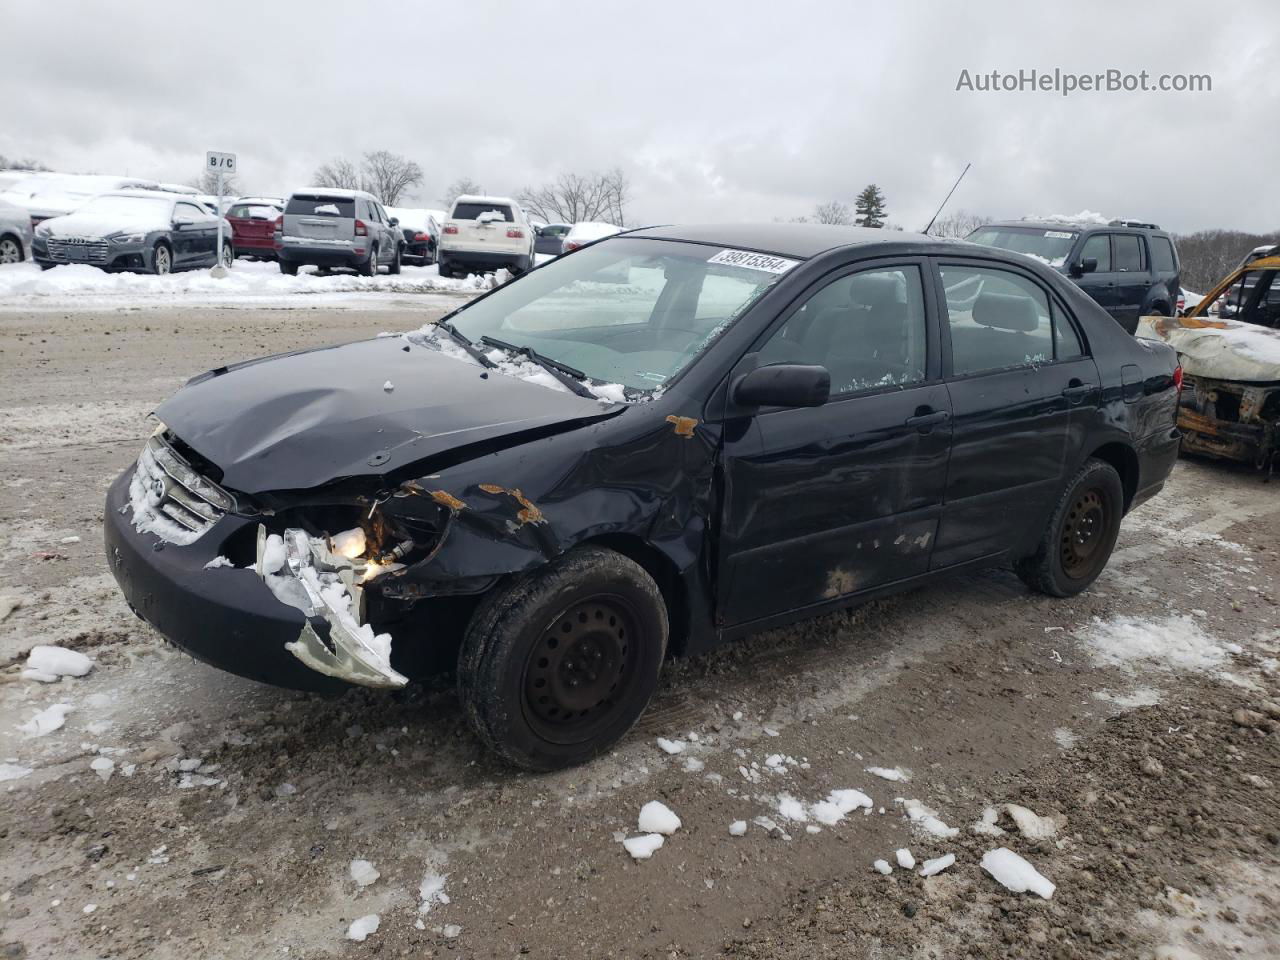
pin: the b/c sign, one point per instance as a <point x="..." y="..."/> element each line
<point x="220" y="162"/>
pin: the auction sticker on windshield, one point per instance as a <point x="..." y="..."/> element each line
<point x="754" y="261"/>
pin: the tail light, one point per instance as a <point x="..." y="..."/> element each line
<point x="420" y="238"/>
<point x="514" y="234"/>
<point x="450" y="228"/>
<point x="361" y="229"/>
<point x="279" y="228"/>
<point x="1177" y="378"/>
<point x="1182" y="303"/>
<point x="276" y="241"/>
<point x="571" y="245"/>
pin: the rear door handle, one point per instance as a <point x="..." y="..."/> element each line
<point x="924" y="422"/>
<point x="1076" y="390"/>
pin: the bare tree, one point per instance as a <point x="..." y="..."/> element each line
<point x="458" y="188"/>
<point x="1207" y="256"/>
<point x="338" y="173"/>
<point x="577" y="197"/>
<point x="25" y="163"/>
<point x="958" y="224"/>
<point x="208" y="183"/>
<point x="833" y="211"/>
<point x="388" y="175"/>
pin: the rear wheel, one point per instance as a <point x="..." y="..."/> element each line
<point x="442" y="266"/>
<point x="161" y="260"/>
<point x="394" y="266"/>
<point x="370" y="267"/>
<point x="289" y="269"/>
<point x="228" y="255"/>
<point x="558" y="665"/>
<point x="10" y="250"/>
<point x="1080" y="535"/>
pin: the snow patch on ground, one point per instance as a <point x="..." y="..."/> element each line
<point x="47" y="720"/>
<point x="892" y="774"/>
<point x="55" y="662"/>
<point x="1176" y="642"/>
<point x="925" y="818"/>
<point x="362" y="927"/>
<point x="643" y="847"/>
<point x="657" y="817"/>
<point x="1014" y="873"/>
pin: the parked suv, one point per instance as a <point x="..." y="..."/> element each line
<point x="329" y="227"/>
<point x="485" y="233"/>
<point x="1130" y="268"/>
<point x="253" y="226"/>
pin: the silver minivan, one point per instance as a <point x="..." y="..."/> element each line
<point x="331" y="227"/>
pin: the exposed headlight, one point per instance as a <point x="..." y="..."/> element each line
<point x="129" y="238"/>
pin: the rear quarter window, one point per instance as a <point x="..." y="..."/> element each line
<point x="1162" y="255"/>
<point x="472" y="211"/>
<point x="321" y="207"/>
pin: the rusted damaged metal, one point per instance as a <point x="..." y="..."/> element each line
<point x="1229" y="349"/>
<point x="529" y="512"/>
<point x="446" y="499"/>
<point x="683" y="425"/>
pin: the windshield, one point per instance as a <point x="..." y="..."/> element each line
<point x="627" y="310"/>
<point x="1051" y="246"/>
<point x="128" y="206"/>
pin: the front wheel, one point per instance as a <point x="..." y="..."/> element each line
<point x="228" y="255"/>
<point x="558" y="664"/>
<point x="10" y="250"/>
<point x="161" y="260"/>
<point x="1080" y="535"/>
<point x="394" y="267"/>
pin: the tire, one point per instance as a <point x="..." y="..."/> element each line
<point x="442" y="267"/>
<point x="289" y="269"/>
<point x="523" y="266"/>
<point x="1080" y="535"/>
<point x="161" y="260"/>
<point x="567" y="628"/>
<point x="10" y="250"/>
<point x="370" y="267"/>
<point x="228" y="256"/>
<point x="1159" y="310"/>
<point x="394" y="266"/>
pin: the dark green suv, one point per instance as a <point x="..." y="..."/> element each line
<point x="1130" y="268"/>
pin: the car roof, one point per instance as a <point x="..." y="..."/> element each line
<point x="481" y="198"/>
<point x="271" y="201"/>
<point x="333" y="192"/>
<point x="1115" y="226"/>
<point x="148" y="195"/>
<point x="798" y="240"/>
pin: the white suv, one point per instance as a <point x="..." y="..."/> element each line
<point x="485" y="233"/>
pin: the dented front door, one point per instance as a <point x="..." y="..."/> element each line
<point x="824" y="502"/>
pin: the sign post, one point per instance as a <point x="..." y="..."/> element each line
<point x="223" y="164"/>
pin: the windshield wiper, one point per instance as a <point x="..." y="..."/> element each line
<point x="571" y="377"/>
<point x="460" y="339"/>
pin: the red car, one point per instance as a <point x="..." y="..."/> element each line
<point x="253" y="224"/>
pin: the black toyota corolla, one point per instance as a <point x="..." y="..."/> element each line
<point x="664" y="440"/>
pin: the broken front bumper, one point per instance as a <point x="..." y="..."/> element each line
<point x="225" y="616"/>
<point x="1231" y="419"/>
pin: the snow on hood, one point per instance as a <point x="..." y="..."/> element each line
<point x="1220" y="349"/>
<point x="148" y="217"/>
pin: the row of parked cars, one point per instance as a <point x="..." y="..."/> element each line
<point x="129" y="224"/>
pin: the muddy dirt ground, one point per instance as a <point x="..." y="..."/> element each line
<point x="1138" y="722"/>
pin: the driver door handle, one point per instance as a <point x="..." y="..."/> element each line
<point x="1076" y="389"/>
<point x="924" y="422"/>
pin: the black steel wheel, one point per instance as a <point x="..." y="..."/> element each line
<point x="1080" y="535"/>
<point x="559" y="663"/>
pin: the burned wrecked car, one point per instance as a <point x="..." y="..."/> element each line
<point x="1229" y="348"/>
<point x="664" y="440"/>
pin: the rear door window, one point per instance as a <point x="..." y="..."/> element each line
<point x="997" y="319"/>
<point x="1128" y="253"/>
<point x="190" y="211"/>
<point x="322" y="206"/>
<point x="472" y="211"/>
<point x="1099" y="247"/>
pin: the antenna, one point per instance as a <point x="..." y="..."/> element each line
<point x="948" y="197"/>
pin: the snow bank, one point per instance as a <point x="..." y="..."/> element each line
<point x="657" y="817"/>
<point x="1016" y="874"/>
<point x="57" y="662"/>
<point x="1167" y="642"/>
<point x="244" y="280"/>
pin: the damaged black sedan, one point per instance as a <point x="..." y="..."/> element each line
<point x="664" y="440"/>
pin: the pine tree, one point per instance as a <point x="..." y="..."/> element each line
<point x="870" y="207"/>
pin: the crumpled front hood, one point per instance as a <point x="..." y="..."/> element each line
<point x="304" y="419"/>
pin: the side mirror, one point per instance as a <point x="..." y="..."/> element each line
<point x="181" y="222"/>
<point x="1087" y="265"/>
<point x="394" y="222"/>
<point x="784" y="385"/>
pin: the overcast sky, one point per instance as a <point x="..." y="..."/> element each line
<point x="717" y="111"/>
